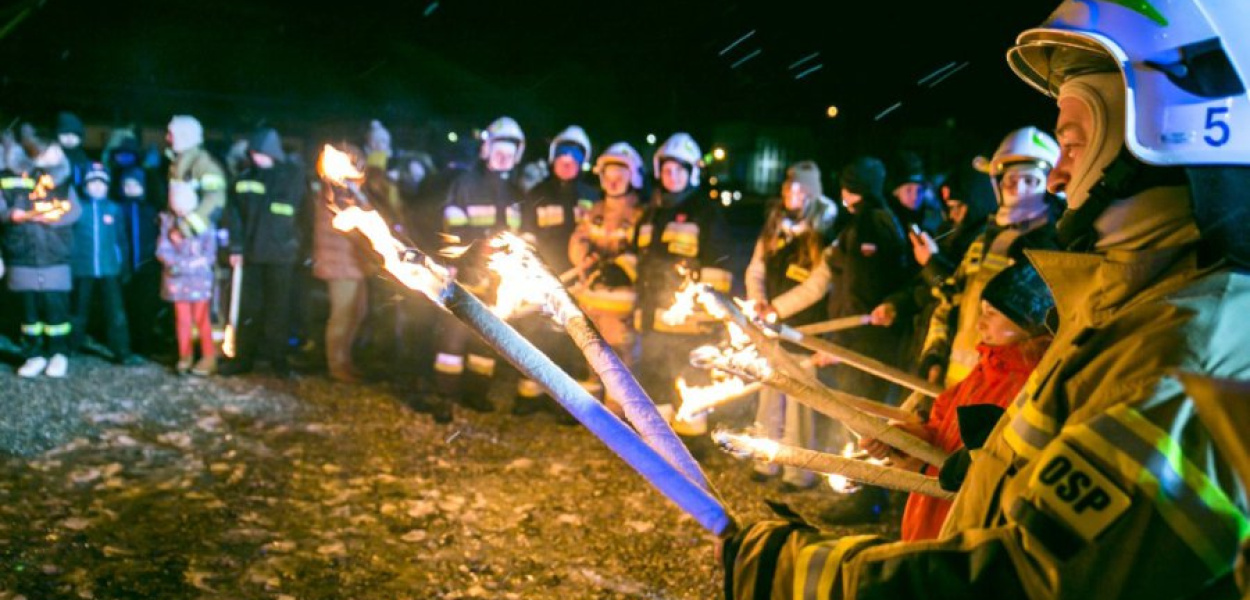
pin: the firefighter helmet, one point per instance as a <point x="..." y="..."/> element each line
<point x="1183" y="64"/>
<point x="571" y="135"/>
<point x="621" y="153"/>
<point x="503" y="129"/>
<point x="681" y="148"/>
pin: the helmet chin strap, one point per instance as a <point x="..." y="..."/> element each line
<point x="1123" y="178"/>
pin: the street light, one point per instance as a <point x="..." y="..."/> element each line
<point x="831" y="112"/>
<point x="651" y="138"/>
<point x="452" y="137"/>
<point x="718" y="153"/>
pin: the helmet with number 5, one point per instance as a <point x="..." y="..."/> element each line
<point x="1184" y="64"/>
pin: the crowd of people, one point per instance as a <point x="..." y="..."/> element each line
<point x="953" y="273"/>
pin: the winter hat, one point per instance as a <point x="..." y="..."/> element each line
<point x="182" y="198"/>
<point x="864" y="176"/>
<point x="907" y="168"/>
<point x="807" y="175"/>
<point x="266" y="141"/>
<point x="1020" y="294"/>
<point x="96" y="172"/>
<point x="68" y="122"/>
<point x="573" y="150"/>
<point x="185" y="133"/>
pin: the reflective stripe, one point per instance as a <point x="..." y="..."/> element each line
<point x="550" y="215"/>
<point x="1193" y="506"/>
<point x="279" y="208"/>
<point x="9" y="183"/>
<point x="528" y="388"/>
<point x="620" y="302"/>
<point x="513" y="216"/>
<point x="1029" y="429"/>
<point x="629" y="264"/>
<point x="720" y="279"/>
<point x="454" y="216"/>
<point x="449" y="364"/>
<point x="481" y="365"/>
<point x="212" y="182"/>
<point x="57" y="330"/>
<point x="813" y="571"/>
<point x="249" y="186"/>
<point x="481" y="215"/>
<point x="197" y="223"/>
<point x="32" y="328"/>
<point x="644" y="235"/>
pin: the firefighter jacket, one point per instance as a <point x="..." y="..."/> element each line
<point x="264" y="212"/>
<point x="679" y="232"/>
<point x="197" y="167"/>
<point x="959" y="292"/>
<point x="551" y="213"/>
<point x="1099" y="481"/>
<point x="604" y="238"/>
<point x="479" y="204"/>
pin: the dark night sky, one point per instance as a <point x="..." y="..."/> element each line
<point x="620" y="69"/>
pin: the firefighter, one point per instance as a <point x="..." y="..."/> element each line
<point x="1025" y="219"/>
<point x="481" y="202"/>
<point x="1099" y="481"/>
<point x="681" y="230"/>
<point x="601" y="248"/>
<point x="191" y="163"/>
<point x="548" y="218"/>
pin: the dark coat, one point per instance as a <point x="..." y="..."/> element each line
<point x="263" y="214"/>
<point x="99" y="239"/>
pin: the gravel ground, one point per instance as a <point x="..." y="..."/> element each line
<point x="135" y="483"/>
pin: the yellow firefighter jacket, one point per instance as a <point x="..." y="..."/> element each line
<point x="1099" y="482"/>
<point x="197" y="167"/>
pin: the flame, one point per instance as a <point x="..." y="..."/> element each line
<point x="419" y="274"/>
<point x="696" y="400"/>
<point x="525" y="280"/>
<point x="454" y="251"/>
<point x="337" y="166"/>
<point x="44" y="185"/>
<point x="685" y="302"/>
<point x="747" y="446"/>
<point x="841" y="484"/>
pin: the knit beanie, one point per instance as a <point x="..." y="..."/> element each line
<point x="68" y="122"/>
<point x="1020" y="294"/>
<point x="185" y="133"/>
<point x="96" y="172"/>
<point x="864" y="176"/>
<point x="807" y="175"/>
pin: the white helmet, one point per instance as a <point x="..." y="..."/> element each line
<point x="501" y="129"/>
<point x="622" y="153"/>
<point x="682" y="148"/>
<point x="1024" y="145"/>
<point x="571" y="135"/>
<point x="1184" y="65"/>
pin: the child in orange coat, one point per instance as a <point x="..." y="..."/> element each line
<point x="1014" y="336"/>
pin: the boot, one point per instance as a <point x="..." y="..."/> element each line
<point x="184" y="365"/>
<point x="475" y="392"/>
<point x="207" y="365"/>
<point x="528" y="398"/>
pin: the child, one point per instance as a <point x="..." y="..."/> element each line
<point x="188" y="279"/>
<point x="99" y="250"/>
<point x="37" y="243"/>
<point x="1013" y="338"/>
<point x="788" y="248"/>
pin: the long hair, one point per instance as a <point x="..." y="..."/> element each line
<point x="817" y="218"/>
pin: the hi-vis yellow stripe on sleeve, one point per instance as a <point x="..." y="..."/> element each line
<point x="1028" y="429"/>
<point x="212" y="182"/>
<point x="817" y="566"/>
<point x="1191" y="504"/>
<point x="454" y="216"/>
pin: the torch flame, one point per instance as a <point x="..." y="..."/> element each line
<point x="746" y="446"/>
<point x="337" y="166"/>
<point x="44" y="185"/>
<point x="684" y="304"/>
<point x="841" y="484"/>
<point x="524" y="279"/>
<point x="699" y="399"/>
<point x="422" y="275"/>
